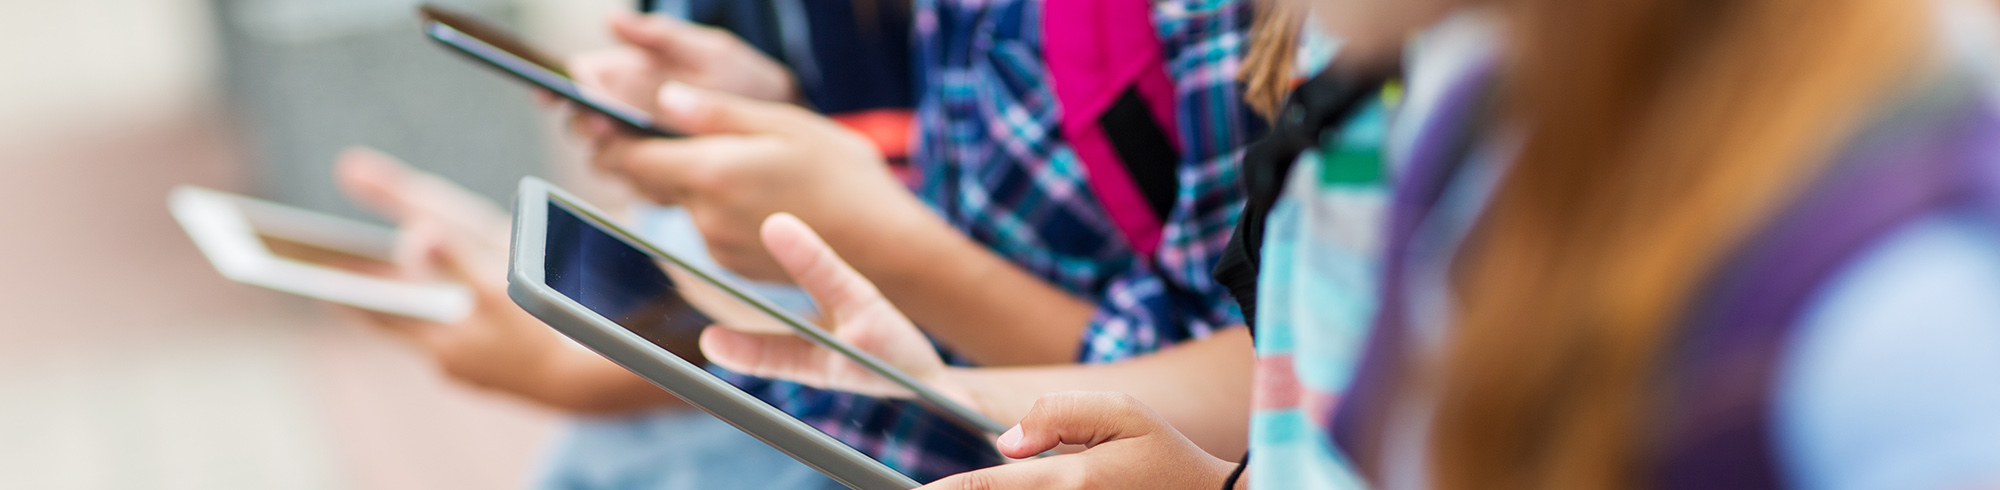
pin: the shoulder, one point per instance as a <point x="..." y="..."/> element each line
<point x="1889" y="382"/>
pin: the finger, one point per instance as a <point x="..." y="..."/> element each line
<point x="417" y="241"/>
<point x="663" y="36"/>
<point x="602" y="71"/>
<point x="666" y="170"/>
<point x="546" y="98"/>
<point x="1061" y="472"/>
<point x="643" y="164"/>
<point x="400" y="192"/>
<point x="474" y="265"/>
<point x="595" y="129"/>
<point x="429" y="251"/>
<point x="769" y="356"/>
<point x="374" y="180"/>
<point x="1082" y="418"/>
<point x="698" y="111"/>
<point x="838" y="288"/>
<point x="581" y="124"/>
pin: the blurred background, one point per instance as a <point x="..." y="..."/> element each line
<point x="126" y="362"/>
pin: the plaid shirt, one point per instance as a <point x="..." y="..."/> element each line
<point x="993" y="163"/>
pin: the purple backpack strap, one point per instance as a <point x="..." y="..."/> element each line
<point x="1440" y="150"/>
<point x="1106" y="59"/>
<point x="1716" y="430"/>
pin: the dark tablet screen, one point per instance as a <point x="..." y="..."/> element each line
<point x="497" y="48"/>
<point x="632" y="288"/>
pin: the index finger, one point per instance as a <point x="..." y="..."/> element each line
<point x="1054" y="473"/>
<point x="667" y="169"/>
<point x="1080" y="418"/>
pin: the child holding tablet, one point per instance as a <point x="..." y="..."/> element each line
<point x="1738" y="246"/>
<point x="1005" y="214"/>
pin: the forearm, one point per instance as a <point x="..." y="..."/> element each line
<point x="967" y="297"/>
<point x="1202" y="387"/>
<point x="587" y="384"/>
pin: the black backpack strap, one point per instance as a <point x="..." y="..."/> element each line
<point x="1322" y="104"/>
<point x="1143" y="146"/>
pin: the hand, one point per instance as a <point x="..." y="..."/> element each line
<point x="751" y="159"/>
<point x="857" y="315"/>
<point x="424" y="205"/>
<point x="1128" y="446"/>
<point x="446" y="231"/>
<point x="658" y="48"/>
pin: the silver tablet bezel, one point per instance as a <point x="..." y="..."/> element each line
<point x="527" y="286"/>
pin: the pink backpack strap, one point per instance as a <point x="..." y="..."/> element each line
<point x="1108" y="68"/>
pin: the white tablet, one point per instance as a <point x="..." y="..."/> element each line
<point x="310" y="254"/>
<point x="644" y="308"/>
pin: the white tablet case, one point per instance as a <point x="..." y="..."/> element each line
<point x="226" y="227"/>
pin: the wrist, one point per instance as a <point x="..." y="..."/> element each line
<point x="962" y="385"/>
<point x="1239" y="475"/>
<point x="585" y="383"/>
<point x="1221" y="473"/>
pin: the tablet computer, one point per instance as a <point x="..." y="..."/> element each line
<point x="495" y="47"/>
<point x="310" y="254"/>
<point x="644" y="309"/>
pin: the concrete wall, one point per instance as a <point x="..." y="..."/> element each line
<point x="73" y="64"/>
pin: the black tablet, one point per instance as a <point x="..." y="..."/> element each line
<point x="644" y="309"/>
<point x="496" y="47"/>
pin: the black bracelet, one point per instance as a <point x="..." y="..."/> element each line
<point x="1237" y="474"/>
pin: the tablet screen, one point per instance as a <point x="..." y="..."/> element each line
<point x="644" y="295"/>
<point x="503" y="50"/>
<point x="312" y="253"/>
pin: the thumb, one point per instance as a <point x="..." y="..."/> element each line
<point x="456" y="255"/>
<point x="699" y="111"/>
<point x="766" y="356"/>
<point x="1082" y="418"/>
<point x="838" y="289"/>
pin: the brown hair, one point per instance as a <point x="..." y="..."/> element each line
<point x="1268" y="64"/>
<point x="1663" y="132"/>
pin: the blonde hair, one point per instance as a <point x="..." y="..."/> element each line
<point x="1270" y="63"/>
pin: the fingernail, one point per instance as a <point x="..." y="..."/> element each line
<point x="678" y="98"/>
<point x="1012" y="438"/>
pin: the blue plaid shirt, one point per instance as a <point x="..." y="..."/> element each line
<point x="993" y="164"/>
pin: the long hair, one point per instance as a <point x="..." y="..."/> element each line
<point x="1269" y="64"/>
<point x="1662" y="133"/>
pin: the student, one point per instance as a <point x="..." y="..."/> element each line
<point x="999" y="168"/>
<point x="843" y="62"/>
<point x="1129" y="304"/>
<point x="1741" y="246"/>
<point x="626" y="433"/>
<point x="1009" y="251"/>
